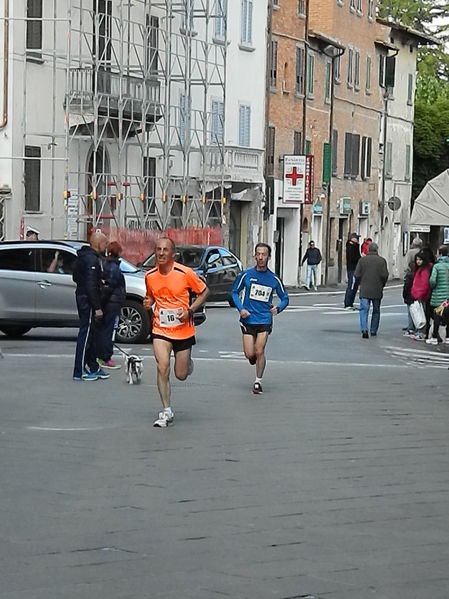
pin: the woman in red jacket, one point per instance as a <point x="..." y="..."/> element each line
<point x="421" y="291"/>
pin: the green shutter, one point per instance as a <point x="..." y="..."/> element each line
<point x="326" y="163"/>
<point x="307" y="146"/>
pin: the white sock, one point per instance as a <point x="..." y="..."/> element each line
<point x="258" y="380"/>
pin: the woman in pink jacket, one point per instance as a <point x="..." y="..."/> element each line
<point x="421" y="291"/>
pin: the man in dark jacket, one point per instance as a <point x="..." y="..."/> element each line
<point x="313" y="257"/>
<point x="352" y="258"/>
<point x="88" y="275"/>
<point x="371" y="274"/>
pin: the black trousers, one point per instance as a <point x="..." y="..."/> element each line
<point x="105" y="347"/>
<point x="85" y="354"/>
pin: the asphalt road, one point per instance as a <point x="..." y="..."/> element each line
<point x="333" y="484"/>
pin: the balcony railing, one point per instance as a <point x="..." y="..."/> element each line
<point x="87" y="85"/>
<point x="240" y="164"/>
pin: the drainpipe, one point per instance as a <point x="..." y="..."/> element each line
<point x="4" y="120"/>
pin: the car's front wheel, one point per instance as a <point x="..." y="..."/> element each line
<point x="15" y="332"/>
<point x="134" y="323"/>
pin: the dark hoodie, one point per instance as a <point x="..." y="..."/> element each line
<point x="87" y="275"/>
<point x="115" y="288"/>
<point x="372" y="274"/>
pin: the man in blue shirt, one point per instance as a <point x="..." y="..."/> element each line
<point x="252" y="294"/>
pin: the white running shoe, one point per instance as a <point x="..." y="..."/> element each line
<point x="165" y="418"/>
<point x="432" y="341"/>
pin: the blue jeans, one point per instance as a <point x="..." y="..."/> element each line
<point x="351" y="289"/>
<point x="311" y="270"/>
<point x="364" y="312"/>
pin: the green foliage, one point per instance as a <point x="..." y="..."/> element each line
<point x="431" y="147"/>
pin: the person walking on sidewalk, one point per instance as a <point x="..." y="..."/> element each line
<point x="439" y="283"/>
<point x="420" y="292"/>
<point x="352" y="259"/>
<point x="313" y="257"/>
<point x="113" y="298"/>
<point x="252" y="294"/>
<point x="88" y="275"/>
<point x="169" y="286"/>
<point x="371" y="274"/>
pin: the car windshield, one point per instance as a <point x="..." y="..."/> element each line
<point x="126" y="266"/>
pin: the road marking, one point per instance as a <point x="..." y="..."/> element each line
<point x="65" y="429"/>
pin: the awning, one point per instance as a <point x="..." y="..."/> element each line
<point x="431" y="207"/>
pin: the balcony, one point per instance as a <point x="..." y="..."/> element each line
<point x="135" y="98"/>
<point x="240" y="164"/>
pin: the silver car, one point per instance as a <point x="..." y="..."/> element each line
<point x="37" y="290"/>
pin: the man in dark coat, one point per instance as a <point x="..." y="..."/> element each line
<point x="371" y="274"/>
<point x="313" y="257"/>
<point x="88" y="276"/>
<point x="352" y="258"/>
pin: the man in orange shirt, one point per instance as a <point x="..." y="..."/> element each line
<point x="168" y="290"/>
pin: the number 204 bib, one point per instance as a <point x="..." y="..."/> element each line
<point x="260" y="293"/>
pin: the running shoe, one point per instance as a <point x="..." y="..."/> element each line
<point x="257" y="389"/>
<point x="90" y="376"/>
<point x="252" y="360"/>
<point x="101" y="374"/>
<point x="110" y="365"/>
<point x="77" y="378"/>
<point x="365" y="335"/>
<point x="164" y="418"/>
<point x="446" y="340"/>
<point x="373" y="334"/>
<point x="432" y="341"/>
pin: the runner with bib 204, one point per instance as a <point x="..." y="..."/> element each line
<point x="252" y="294"/>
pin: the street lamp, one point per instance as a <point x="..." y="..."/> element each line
<point x="333" y="51"/>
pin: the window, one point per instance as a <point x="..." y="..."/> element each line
<point x="149" y="184"/>
<point x="34" y="28"/>
<point x="327" y="83"/>
<point x="368" y="75"/>
<point x="217" y="122"/>
<point x="153" y="44"/>
<point x="310" y="74"/>
<point x="244" y="125"/>
<point x="308" y="147"/>
<point x="275" y="2"/>
<point x="382" y="70"/>
<point x="32" y="178"/>
<point x="301" y="8"/>
<point x="410" y="90"/>
<point x="408" y="154"/>
<point x="184" y="117"/>
<point x="271" y="134"/>
<point x="297" y="142"/>
<point x="389" y="160"/>
<point x="17" y="259"/>
<point x="246" y="36"/>
<point x="327" y="165"/>
<point x="352" y="155"/>
<point x="299" y="78"/>
<point x="56" y="261"/>
<point x="357" y="70"/>
<point x="273" y="63"/>
<point x="352" y="5"/>
<point x="359" y="7"/>
<point x="337" y="69"/>
<point x="220" y="19"/>
<point x="365" y="163"/>
<point x="350" y="75"/>
<point x="334" y="152"/>
<point x="187" y="16"/>
<point x="370" y="9"/>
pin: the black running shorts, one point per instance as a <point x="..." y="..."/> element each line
<point x="178" y="344"/>
<point x="254" y="329"/>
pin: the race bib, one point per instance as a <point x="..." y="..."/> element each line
<point x="168" y="318"/>
<point x="260" y="293"/>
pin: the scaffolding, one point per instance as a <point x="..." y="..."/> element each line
<point x="132" y="128"/>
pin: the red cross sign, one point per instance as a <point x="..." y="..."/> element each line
<point x="294" y="176"/>
<point x="294" y="179"/>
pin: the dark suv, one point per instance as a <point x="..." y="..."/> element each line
<point x="38" y="291"/>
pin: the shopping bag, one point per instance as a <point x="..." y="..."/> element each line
<point x="418" y="315"/>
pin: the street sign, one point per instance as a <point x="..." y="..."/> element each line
<point x="294" y="179"/>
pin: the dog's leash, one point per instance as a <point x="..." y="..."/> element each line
<point x="122" y="350"/>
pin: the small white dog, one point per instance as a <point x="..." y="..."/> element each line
<point x="133" y="369"/>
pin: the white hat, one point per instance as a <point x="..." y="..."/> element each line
<point x="31" y="230"/>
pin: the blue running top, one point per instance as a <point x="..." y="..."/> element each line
<point x="253" y="291"/>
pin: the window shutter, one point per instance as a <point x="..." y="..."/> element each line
<point x="368" y="157"/>
<point x="334" y="152"/>
<point x="34" y="28"/>
<point x="32" y="178"/>
<point x="363" y="161"/>
<point x="355" y="155"/>
<point x="348" y="152"/>
<point x="244" y="125"/>
<point x="250" y="22"/>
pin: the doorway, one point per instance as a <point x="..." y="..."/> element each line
<point x="279" y="245"/>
